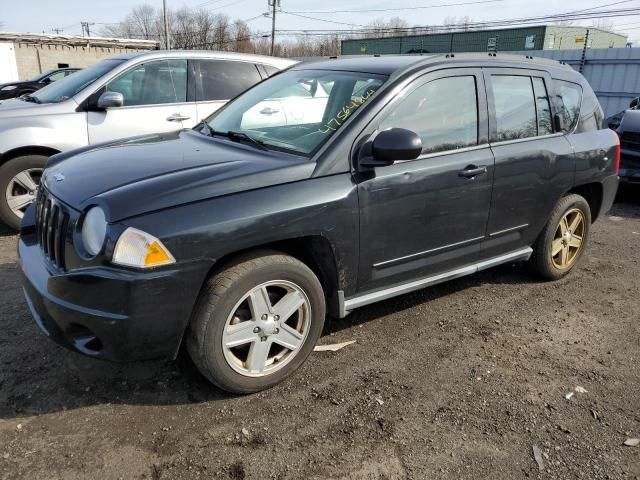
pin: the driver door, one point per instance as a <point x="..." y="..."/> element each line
<point x="154" y="94"/>
<point x="427" y="216"/>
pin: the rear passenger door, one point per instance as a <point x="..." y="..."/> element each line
<point x="429" y="215"/>
<point x="218" y="81"/>
<point x="534" y="165"/>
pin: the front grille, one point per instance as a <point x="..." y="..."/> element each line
<point x="630" y="140"/>
<point x="52" y="222"/>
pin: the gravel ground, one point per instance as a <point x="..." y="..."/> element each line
<point x="458" y="381"/>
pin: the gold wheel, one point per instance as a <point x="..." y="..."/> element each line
<point x="568" y="240"/>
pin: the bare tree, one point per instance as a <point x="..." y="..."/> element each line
<point x="604" y="24"/>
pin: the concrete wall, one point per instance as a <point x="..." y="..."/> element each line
<point x="8" y="70"/>
<point x="33" y="59"/>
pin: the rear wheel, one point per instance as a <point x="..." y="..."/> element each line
<point x="564" y="238"/>
<point x="256" y="322"/>
<point x="19" y="180"/>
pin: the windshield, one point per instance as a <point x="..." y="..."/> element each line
<point x="297" y="111"/>
<point x="41" y="76"/>
<point x="67" y="87"/>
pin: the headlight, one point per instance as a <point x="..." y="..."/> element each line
<point x="8" y="87"/>
<point x="136" y="248"/>
<point x="94" y="231"/>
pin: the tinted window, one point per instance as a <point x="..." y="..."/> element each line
<point x="444" y="113"/>
<point x="591" y="114"/>
<point x="515" y="107"/>
<point x="157" y="82"/>
<point x="543" y="109"/>
<point x="270" y="70"/>
<point x="222" y="80"/>
<point x="568" y="102"/>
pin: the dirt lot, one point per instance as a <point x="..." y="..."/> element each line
<point x="457" y="381"/>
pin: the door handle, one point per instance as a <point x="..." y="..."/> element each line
<point x="176" y="117"/>
<point x="472" y="171"/>
<point x="268" y="111"/>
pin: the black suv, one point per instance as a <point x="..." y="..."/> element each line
<point x="629" y="131"/>
<point x="17" y="89"/>
<point x="386" y="175"/>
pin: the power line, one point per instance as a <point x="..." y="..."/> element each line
<point x="328" y="21"/>
<point x="371" y="10"/>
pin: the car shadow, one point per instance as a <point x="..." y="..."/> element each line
<point x="5" y="231"/>
<point x="39" y="377"/>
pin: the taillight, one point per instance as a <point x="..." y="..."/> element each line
<point x="617" y="159"/>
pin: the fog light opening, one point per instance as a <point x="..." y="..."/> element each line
<point x="83" y="339"/>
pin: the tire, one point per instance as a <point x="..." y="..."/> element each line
<point x="220" y="309"/>
<point x="31" y="164"/>
<point x="546" y="260"/>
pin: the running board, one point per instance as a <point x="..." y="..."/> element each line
<point x="349" y="304"/>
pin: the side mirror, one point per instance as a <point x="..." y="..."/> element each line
<point x="110" y="100"/>
<point x="392" y="145"/>
<point x="635" y="103"/>
<point x="45" y="81"/>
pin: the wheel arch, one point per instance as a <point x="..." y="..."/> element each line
<point x="28" y="150"/>
<point x="593" y="193"/>
<point x="315" y="251"/>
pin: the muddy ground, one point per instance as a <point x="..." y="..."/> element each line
<point x="457" y="381"/>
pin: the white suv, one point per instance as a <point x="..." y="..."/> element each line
<point x="119" y="97"/>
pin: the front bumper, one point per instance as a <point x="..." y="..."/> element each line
<point x="110" y="313"/>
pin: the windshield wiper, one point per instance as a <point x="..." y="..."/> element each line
<point x="238" y="137"/>
<point x="243" y="137"/>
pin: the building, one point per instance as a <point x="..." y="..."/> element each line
<point x="24" y="56"/>
<point x="545" y="37"/>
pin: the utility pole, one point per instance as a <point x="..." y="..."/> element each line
<point x="166" y="25"/>
<point x="274" y="4"/>
<point x="86" y="28"/>
<point x="57" y="31"/>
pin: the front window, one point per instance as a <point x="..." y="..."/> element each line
<point x="152" y="83"/>
<point x="71" y="85"/>
<point x="299" y="110"/>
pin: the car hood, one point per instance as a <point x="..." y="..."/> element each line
<point x="143" y="174"/>
<point x="15" y="107"/>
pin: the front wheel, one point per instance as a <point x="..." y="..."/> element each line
<point x="19" y="179"/>
<point x="256" y="322"/>
<point x="564" y="238"/>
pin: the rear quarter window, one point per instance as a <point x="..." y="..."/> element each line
<point x="568" y="98"/>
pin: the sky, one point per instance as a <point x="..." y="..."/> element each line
<point x="44" y="15"/>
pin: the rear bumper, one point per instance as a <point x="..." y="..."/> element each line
<point x="609" y="191"/>
<point x="106" y="312"/>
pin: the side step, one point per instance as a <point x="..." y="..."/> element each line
<point x="349" y="304"/>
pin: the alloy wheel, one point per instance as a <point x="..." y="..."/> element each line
<point x="266" y="328"/>
<point x="21" y="190"/>
<point x="568" y="240"/>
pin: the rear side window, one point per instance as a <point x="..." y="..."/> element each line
<point x="270" y="70"/>
<point x="568" y="100"/>
<point x="543" y="109"/>
<point x="591" y="115"/>
<point x="515" y="107"/>
<point x="223" y="79"/>
<point x="443" y="112"/>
